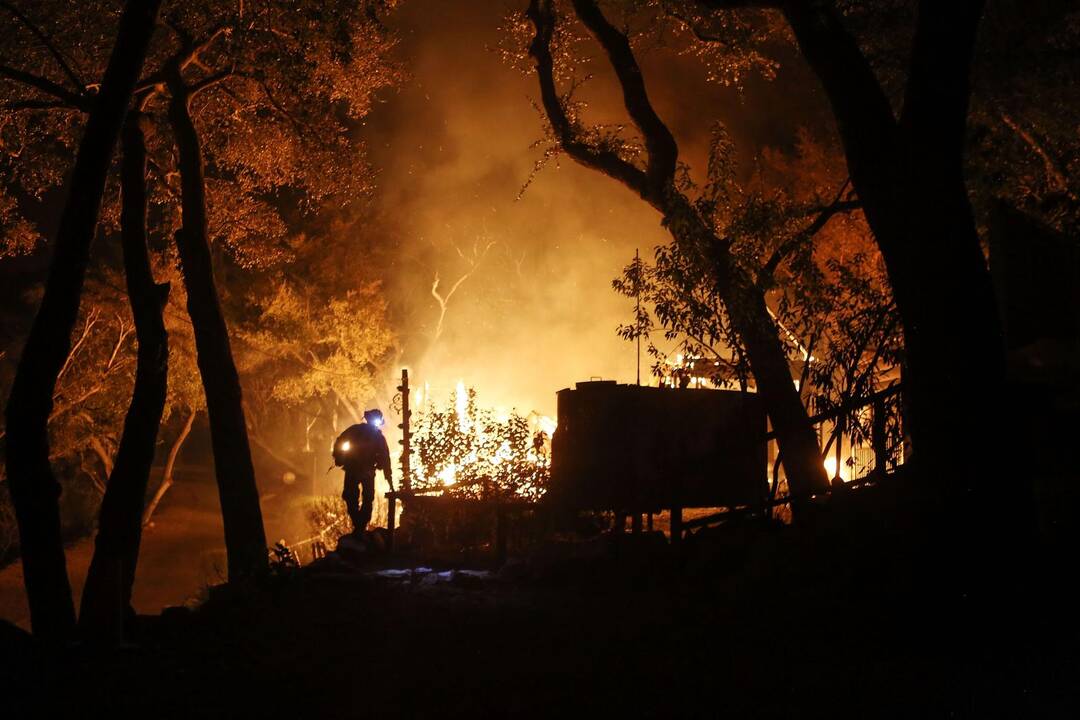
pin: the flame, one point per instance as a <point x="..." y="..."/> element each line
<point x="546" y="424"/>
<point x="471" y="450"/>
<point x="831" y="469"/>
<point x="448" y="475"/>
<point x="461" y="405"/>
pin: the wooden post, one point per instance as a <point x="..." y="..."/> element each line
<point x="391" y="512"/>
<point x="839" y="450"/>
<point x="500" y="533"/>
<point x="406" y="433"/>
<point x="676" y="525"/>
<point x="406" y="457"/>
<point x="635" y="522"/>
<point x="648" y="522"/>
<point x="877" y="437"/>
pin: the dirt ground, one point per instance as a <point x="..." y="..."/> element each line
<point x="747" y="622"/>
<point x="182" y="552"/>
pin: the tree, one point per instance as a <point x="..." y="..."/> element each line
<point x="275" y="130"/>
<point x="318" y="347"/>
<point x="271" y="72"/>
<point x="34" y="488"/>
<point x="690" y="225"/>
<point x="813" y="257"/>
<point x="106" y="597"/>
<point x="907" y="169"/>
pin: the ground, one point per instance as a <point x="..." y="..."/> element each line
<point x="750" y="621"/>
<point x="182" y="552"/>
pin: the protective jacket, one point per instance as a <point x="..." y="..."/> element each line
<point x="362" y="449"/>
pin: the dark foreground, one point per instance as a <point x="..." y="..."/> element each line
<point x="747" y="622"/>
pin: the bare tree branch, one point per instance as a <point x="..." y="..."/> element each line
<point x="209" y="82"/>
<point x="1054" y="174"/>
<point x="659" y="142"/>
<point x="542" y="14"/>
<point x="444" y="300"/>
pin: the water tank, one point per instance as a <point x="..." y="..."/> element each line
<point x="642" y="449"/>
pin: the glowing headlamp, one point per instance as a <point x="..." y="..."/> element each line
<point x="377" y="422"/>
<point x="345" y="446"/>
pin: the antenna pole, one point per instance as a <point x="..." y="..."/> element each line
<point x="637" y="309"/>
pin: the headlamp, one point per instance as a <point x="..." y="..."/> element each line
<point x="345" y="446"/>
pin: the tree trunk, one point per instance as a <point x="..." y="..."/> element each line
<point x="755" y="327"/>
<point x="34" y="489"/>
<point x="245" y="538"/>
<point x="796" y="440"/>
<point x="167" y="474"/>
<point x="106" y="597"/>
<point x="909" y="177"/>
<point x="656" y="185"/>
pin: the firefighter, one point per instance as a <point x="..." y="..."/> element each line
<point x="361" y="450"/>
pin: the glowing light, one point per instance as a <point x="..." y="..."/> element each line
<point x="448" y="475"/>
<point x="833" y="470"/>
<point x="472" y="451"/>
<point x="345" y="446"/>
<point x="377" y="422"/>
<point x="461" y="406"/>
<point x="546" y="424"/>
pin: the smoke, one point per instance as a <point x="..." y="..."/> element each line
<point x="535" y="312"/>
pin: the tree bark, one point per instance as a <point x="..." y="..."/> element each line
<point x="106" y="599"/>
<point x="245" y="538"/>
<point x="34" y="489"/>
<point x="167" y="473"/>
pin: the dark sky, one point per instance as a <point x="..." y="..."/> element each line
<point x="453" y="145"/>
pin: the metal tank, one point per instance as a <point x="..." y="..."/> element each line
<point x="629" y="448"/>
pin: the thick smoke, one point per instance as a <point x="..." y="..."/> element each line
<point x="537" y="313"/>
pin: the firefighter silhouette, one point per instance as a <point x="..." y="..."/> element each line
<point x="361" y="450"/>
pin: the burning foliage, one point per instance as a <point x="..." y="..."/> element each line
<point x="471" y="452"/>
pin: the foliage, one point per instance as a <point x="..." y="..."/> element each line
<point x="468" y="451"/>
<point x="827" y="290"/>
<point x="335" y="346"/>
<point x="328" y="520"/>
<point x="282" y="88"/>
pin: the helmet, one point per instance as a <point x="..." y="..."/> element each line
<point x="374" y="417"/>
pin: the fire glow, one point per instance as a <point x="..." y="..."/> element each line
<point x="469" y="451"/>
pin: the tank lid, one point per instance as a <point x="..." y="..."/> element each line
<point x="595" y="383"/>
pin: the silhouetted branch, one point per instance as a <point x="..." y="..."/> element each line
<point x="46" y="86"/>
<point x="807" y="234"/>
<point x="542" y="15"/>
<point x="659" y="142"/>
<point x="53" y="50"/>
